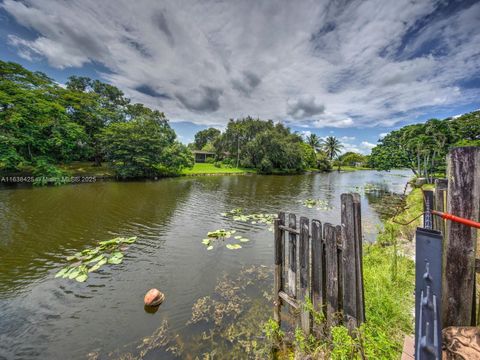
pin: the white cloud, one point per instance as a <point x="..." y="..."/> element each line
<point x="382" y="135"/>
<point x="310" y="63"/>
<point x="367" y="145"/>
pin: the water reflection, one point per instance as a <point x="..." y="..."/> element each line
<point x="43" y="317"/>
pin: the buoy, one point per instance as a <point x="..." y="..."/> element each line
<point x="153" y="297"/>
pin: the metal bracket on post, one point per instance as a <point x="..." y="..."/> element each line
<point x="427" y="208"/>
<point x="428" y="292"/>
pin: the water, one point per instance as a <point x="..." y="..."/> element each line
<point x="46" y="318"/>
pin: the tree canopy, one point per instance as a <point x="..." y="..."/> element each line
<point x="43" y="125"/>
<point x="423" y="147"/>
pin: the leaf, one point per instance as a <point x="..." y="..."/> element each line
<point x="62" y="272"/>
<point x="97" y="258"/>
<point x="238" y="237"/>
<point x="130" y="240"/>
<point x="115" y="260"/>
<point x="206" y="241"/>
<point x="70" y="258"/>
<point x="98" y="265"/>
<point x="82" y="277"/>
<point x="210" y="247"/>
<point x="244" y="240"/>
<point x="117" y="254"/>
<point x="223" y="214"/>
<point x="74" y="273"/>
<point x="233" y="246"/>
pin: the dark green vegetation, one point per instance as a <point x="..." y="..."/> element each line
<point x="423" y="147"/>
<point x="267" y="147"/>
<point x="88" y="260"/>
<point x="258" y="144"/>
<point x="44" y="126"/>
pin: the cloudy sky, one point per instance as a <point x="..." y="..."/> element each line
<point x="355" y="69"/>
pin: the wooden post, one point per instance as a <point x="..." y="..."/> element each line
<point x="463" y="173"/>
<point x="278" y="276"/>
<point x="292" y="257"/>
<point x="304" y="258"/>
<point x="331" y="265"/>
<point x="349" y="262"/>
<point x="317" y="267"/>
<point x="439" y="204"/>
<point x="359" y="257"/>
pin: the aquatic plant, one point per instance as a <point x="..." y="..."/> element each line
<point x="254" y="218"/>
<point x="92" y="259"/>
<point x="316" y="203"/>
<point x="222" y="234"/>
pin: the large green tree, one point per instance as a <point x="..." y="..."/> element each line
<point x="34" y="125"/>
<point x="206" y="137"/>
<point x="423" y="147"/>
<point x="145" y="146"/>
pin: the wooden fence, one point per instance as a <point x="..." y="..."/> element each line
<point x="322" y="264"/>
<point x="459" y="195"/>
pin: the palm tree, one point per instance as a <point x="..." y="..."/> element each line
<point x="332" y="146"/>
<point x="314" y="141"/>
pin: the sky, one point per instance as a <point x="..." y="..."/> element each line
<point x="352" y="69"/>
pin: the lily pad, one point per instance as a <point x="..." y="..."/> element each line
<point x="244" y="240"/>
<point x="233" y="246"/>
<point x="210" y="247"/>
<point x="82" y="277"/>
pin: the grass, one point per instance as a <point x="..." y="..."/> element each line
<point x="206" y="169"/>
<point x="86" y="168"/>
<point x="389" y="281"/>
<point x="351" y="168"/>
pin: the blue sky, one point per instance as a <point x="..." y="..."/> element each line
<point x="354" y="69"/>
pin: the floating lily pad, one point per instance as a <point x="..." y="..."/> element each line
<point x="244" y="240"/>
<point x="210" y="247"/>
<point x="233" y="246"/>
<point x="109" y="251"/>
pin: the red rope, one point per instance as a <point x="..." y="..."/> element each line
<point x="457" y="219"/>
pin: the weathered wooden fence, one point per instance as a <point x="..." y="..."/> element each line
<point x="458" y="195"/>
<point x="321" y="264"/>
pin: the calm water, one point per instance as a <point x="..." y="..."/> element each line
<point x="46" y="318"/>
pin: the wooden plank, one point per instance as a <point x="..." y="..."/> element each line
<point x="331" y="265"/>
<point x="304" y="259"/>
<point x="463" y="199"/>
<point x="439" y="204"/>
<point x="288" y="299"/>
<point x="359" y="258"/>
<point x="278" y="276"/>
<point x="349" y="261"/>
<point x="289" y="229"/>
<point x="338" y="236"/>
<point x="292" y="257"/>
<point x="317" y="295"/>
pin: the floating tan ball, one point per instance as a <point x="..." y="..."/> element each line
<point x="153" y="297"/>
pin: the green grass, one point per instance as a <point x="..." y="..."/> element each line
<point x="86" y="168"/>
<point x="206" y="169"/>
<point x="352" y="168"/>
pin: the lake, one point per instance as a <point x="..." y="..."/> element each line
<point x="42" y="317"/>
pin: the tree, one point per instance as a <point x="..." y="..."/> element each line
<point x="34" y="125"/>
<point x="351" y="158"/>
<point x="332" y="146"/>
<point x="314" y="141"/>
<point x="204" y="137"/>
<point x="144" y="147"/>
<point x="264" y="145"/>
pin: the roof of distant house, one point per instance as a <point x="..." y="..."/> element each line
<point x="203" y="152"/>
